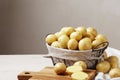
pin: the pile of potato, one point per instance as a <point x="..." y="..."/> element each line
<point x="82" y="38"/>
<point x="109" y="65"/>
<point x="76" y="71"/>
<point x="79" y="38"/>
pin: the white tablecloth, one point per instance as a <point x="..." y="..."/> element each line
<point x="12" y="65"/>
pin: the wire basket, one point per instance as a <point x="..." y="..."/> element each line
<point x="91" y="57"/>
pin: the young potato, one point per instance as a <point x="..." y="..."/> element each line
<point x="71" y="69"/>
<point x="95" y="43"/>
<point x="68" y="30"/>
<point x="56" y="44"/>
<point x="103" y="66"/>
<point x="60" y="68"/>
<point x="82" y="64"/>
<point x="58" y="34"/>
<point x="79" y="76"/>
<point x="89" y="35"/>
<point x="51" y="38"/>
<point x="92" y="30"/>
<point x="81" y="30"/>
<point x="114" y="73"/>
<point x="76" y="35"/>
<point x="101" y="37"/>
<point x="87" y="39"/>
<point x="113" y="60"/>
<point x="72" y="44"/>
<point x="63" y="40"/>
<point x="63" y="29"/>
<point x="85" y="44"/>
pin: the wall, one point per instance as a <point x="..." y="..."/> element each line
<point x="25" y="23"/>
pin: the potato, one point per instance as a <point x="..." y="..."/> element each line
<point x="63" y="29"/>
<point x="103" y="66"/>
<point x="79" y="76"/>
<point x="68" y="30"/>
<point x="89" y="35"/>
<point x="72" y="44"/>
<point x="81" y="30"/>
<point x="85" y="44"/>
<point x="58" y="34"/>
<point x="95" y="43"/>
<point x="101" y="37"/>
<point x="63" y="40"/>
<point x="113" y="60"/>
<point x="60" y="68"/>
<point x="56" y="44"/>
<point x="71" y="69"/>
<point x="50" y="38"/>
<point x="92" y="30"/>
<point x="76" y="35"/>
<point x="115" y="72"/>
<point x="82" y="64"/>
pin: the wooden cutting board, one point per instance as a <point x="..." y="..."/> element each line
<point x="48" y="74"/>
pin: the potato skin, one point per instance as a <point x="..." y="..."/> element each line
<point x="82" y="64"/>
<point x="56" y="44"/>
<point x="113" y="60"/>
<point x="50" y="38"/>
<point x="72" y="44"/>
<point x="103" y="66"/>
<point x="115" y="72"/>
<point x="92" y="30"/>
<point x="63" y="40"/>
<point x="101" y="37"/>
<point x="76" y="35"/>
<point x="82" y="30"/>
<point x="85" y="44"/>
<point x="60" y="68"/>
<point x="95" y="43"/>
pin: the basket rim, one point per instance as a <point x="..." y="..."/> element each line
<point x="68" y="50"/>
<point x="90" y="50"/>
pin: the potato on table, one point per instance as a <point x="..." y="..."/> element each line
<point x="113" y="60"/>
<point x="115" y="72"/>
<point x="103" y="66"/>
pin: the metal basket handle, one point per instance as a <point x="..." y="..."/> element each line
<point x="102" y="48"/>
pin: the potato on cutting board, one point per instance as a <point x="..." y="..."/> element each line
<point x="60" y="68"/>
<point x="82" y="64"/>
